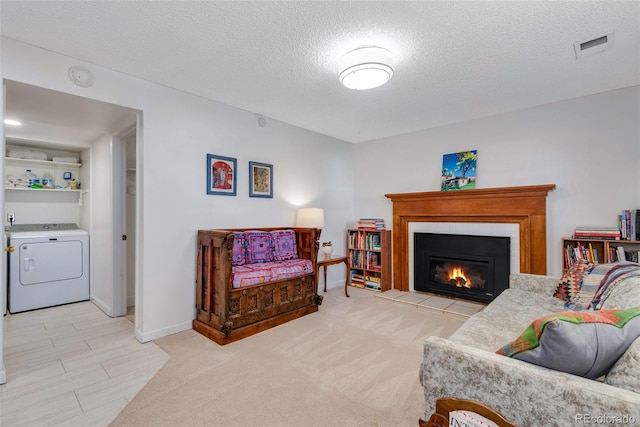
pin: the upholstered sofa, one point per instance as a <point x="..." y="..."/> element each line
<point x="250" y="280"/>
<point x="466" y="365"/>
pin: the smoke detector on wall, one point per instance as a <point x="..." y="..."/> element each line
<point x="81" y="76"/>
<point x="593" y="45"/>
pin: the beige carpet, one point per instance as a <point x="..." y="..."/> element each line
<point x="353" y="363"/>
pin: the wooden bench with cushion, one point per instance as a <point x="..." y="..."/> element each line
<point x="251" y="280"/>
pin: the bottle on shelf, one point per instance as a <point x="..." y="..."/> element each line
<point x="47" y="180"/>
<point x="34" y="180"/>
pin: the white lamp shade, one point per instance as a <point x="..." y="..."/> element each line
<point x="310" y="218"/>
<point x="366" y="68"/>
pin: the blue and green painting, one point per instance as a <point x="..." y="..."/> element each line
<point x="459" y="170"/>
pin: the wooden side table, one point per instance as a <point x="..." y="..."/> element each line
<point x="332" y="260"/>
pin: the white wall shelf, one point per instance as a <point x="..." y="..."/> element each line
<point x="41" y="162"/>
<point x="51" y="190"/>
<point x="16" y="167"/>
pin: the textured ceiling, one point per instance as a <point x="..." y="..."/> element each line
<point x="454" y="61"/>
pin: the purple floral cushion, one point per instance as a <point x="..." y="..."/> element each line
<point x="259" y="247"/>
<point x="239" y="248"/>
<point x="285" y="245"/>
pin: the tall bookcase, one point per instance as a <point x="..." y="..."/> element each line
<point x="369" y="254"/>
<point x="599" y="251"/>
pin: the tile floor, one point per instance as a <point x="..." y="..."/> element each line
<point x="433" y="302"/>
<point x="72" y="365"/>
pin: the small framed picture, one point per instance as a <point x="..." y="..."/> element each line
<point x="221" y="175"/>
<point x="260" y="180"/>
<point x="459" y="171"/>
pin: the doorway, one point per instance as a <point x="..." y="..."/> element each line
<point x="56" y="120"/>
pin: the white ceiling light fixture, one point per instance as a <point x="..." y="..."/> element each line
<point x="12" y="122"/>
<point x="366" y="67"/>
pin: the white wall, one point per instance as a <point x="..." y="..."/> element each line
<point x="589" y="147"/>
<point x="179" y="130"/>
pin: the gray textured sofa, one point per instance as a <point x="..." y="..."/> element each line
<point x="466" y="366"/>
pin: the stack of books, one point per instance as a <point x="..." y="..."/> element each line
<point x="372" y="282"/>
<point x="600" y="233"/>
<point x="371" y="224"/>
<point x="357" y="280"/>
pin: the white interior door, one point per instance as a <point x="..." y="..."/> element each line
<point x="119" y="227"/>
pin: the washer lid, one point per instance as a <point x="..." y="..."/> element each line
<point x="42" y="227"/>
<point x="44" y="230"/>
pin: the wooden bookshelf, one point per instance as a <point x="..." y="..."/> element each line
<point x="369" y="257"/>
<point x="597" y="250"/>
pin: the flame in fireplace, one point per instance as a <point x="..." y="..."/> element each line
<point x="457" y="277"/>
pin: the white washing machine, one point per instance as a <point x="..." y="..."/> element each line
<point x="49" y="265"/>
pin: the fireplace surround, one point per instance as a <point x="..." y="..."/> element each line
<point x="471" y="267"/>
<point x="525" y="206"/>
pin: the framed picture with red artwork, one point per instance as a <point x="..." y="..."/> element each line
<point x="221" y="175"/>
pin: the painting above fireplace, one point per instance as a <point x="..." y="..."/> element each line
<point x="464" y="266"/>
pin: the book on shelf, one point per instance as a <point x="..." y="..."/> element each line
<point x="629" y="224"/>
<point x="373" y="242"/>
<point x="372" y="224"/>
<point x="573" y="254"/>
<point x="361" y="240"/>
<point x="604" y="233"/>
<point x="372" y="282"/>
<point x="357" y="279"/>
<point x="357" y="259"/>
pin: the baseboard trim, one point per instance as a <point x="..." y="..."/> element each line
<point x="102" y="306"/>
<point x="3" y="375"/>
<point x="331" y="285"/>
<point x="159" y="333"/>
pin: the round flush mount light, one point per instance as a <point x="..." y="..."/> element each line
<point x="366" y="68"/>
<point x="81" y="76"/>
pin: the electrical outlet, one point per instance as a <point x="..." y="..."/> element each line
<point x="11" y="217"/>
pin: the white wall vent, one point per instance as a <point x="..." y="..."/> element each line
<point x="593" y="45"/>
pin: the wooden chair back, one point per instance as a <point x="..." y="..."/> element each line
<point x="448" y="404"/>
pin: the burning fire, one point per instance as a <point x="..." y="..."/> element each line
<point x="457" y="277"/>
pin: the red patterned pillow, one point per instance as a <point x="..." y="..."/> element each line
<point x="571" y="282"/>
<point x="285" y="245"/>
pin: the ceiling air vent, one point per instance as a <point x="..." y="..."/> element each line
<point x="593" y="45"/>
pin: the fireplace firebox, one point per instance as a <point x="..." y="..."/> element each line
<point x="470" y="267"/>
